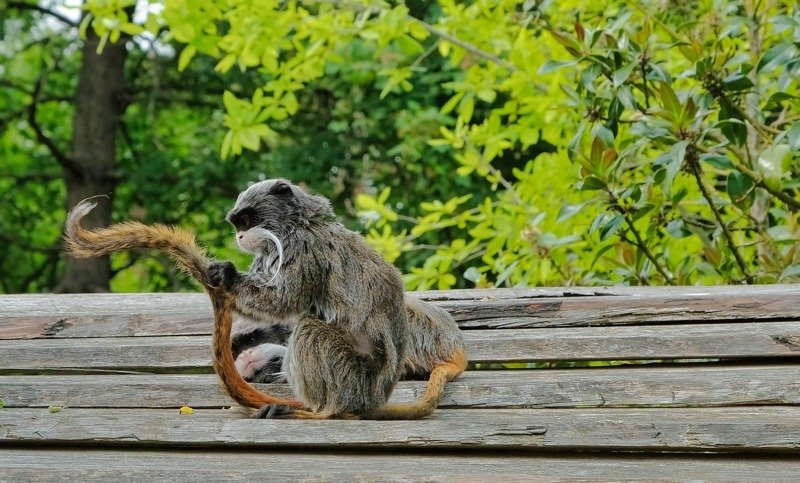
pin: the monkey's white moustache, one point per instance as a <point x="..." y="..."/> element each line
<point x="278" y="245"/>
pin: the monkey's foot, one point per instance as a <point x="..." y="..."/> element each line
<point x="273" y="411"/>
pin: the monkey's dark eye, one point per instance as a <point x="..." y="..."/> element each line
<point x="242" y="220"/>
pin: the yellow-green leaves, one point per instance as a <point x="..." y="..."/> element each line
<point x="375" y="209"/>
<point x="244" y="120"/>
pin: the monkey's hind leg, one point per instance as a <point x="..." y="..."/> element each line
<point x="334" y="378"/>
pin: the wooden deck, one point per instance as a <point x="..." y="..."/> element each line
<point x="705" y="385"/>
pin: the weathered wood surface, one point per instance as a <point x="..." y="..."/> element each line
<point x="768" y="430"/>
<point x="736" y="419"/>
<point x="114" y="465"/>
<point x="630" y="387"/>
<point x="691" y="341"/>
<point x="47" y="465"/>
<point x="114" y="315"/>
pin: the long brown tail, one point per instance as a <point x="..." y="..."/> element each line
<point x="229" y="378"/>
<point x="177" y="243"/>
<point x="440" y="375"/>
<point x="182" y="247"/>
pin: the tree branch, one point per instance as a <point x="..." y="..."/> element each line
<point x="697" y="171"/>
<point x="473" y="49"/>
<point x="640" y="243"/>
<point x="44" y="10"/>
<point x="64" y="160"/>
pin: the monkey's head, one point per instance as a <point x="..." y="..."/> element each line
<point x="274" y="207"/>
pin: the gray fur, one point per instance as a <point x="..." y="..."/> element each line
<point x="332" y="289"/>
<point x="433" y="337"/>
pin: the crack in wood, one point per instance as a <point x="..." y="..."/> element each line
<point x="790" y="341"/>
<point x="55" y="328"/>
<point x="536" y="430"/>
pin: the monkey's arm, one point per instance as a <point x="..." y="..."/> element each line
<point x="256" y="297"/>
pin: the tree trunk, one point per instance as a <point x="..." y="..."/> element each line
<point x="98" y="107"/>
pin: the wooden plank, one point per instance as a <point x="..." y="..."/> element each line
<point x="767" y="430"/>
<point x="110" y="465"/>
<point x="619" y="387"/>
<point x="719" y="340"/>
<point x="114" y="315"/>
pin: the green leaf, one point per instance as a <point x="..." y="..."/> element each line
<point x="676" y="229"/>
<point x="621" y="75"/>
<point x="737" y="82"/>
<point x="611" y="227"/>
<point x="718" y="161"/>
<point x="676" y="156"/>
<point x="669" y="100"/>
<point x="553" y="65"/>
<point x="600" y="254"/>
<point x="568" y="211"/>
<point x="591" y="183"/>
<point x="792" y="271"/>
<point x="186" y="55"/>
<point x="775" y="56"/>
<point x="773" y="164"/>
<point x="604" y="134"/>
<point x="794" y="136"/>
<point x="731" y="123"/>
<point x="739" y="186"/>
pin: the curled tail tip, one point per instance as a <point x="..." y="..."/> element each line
<point x="74" y="217"/>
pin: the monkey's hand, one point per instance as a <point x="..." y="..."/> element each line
<point x="223" y="274"/>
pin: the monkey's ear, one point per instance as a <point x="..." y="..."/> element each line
<point x="282" y="189"/>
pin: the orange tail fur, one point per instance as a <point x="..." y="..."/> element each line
<point x="182" y="247"/>
<point x="440" y="375"/>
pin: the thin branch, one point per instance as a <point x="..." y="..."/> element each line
<point x="473" y="49"/>
<point x="424" y="55"/>
<point x="64" y="160"/>
<point x="44" y="10"/>
<point x="51" y="260"/>
<point x="697" y="171"/>
<point x="640" y="243"/>
<point x="126" y="135"/>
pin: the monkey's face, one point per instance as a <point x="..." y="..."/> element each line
<point x="272" y="209"/>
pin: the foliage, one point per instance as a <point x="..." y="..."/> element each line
<point x="551" y="142"/>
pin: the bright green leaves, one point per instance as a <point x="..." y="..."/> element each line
<point x="649" y="105"/>
<point x="374" y="209"/>
<point x="245" y="121"/>
<point x="396" y="78"/>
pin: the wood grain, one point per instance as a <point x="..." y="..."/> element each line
<point x="116" y="315"/>
<point x="767" y="430"/>
<point x="200" y="465"/>
<point x="691" y="341"/>
<point x="571" y="388"/>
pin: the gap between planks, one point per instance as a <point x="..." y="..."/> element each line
<point x="113" y="315"/>
<point x="716" y="340"/>
<point x="556" y="388"/>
